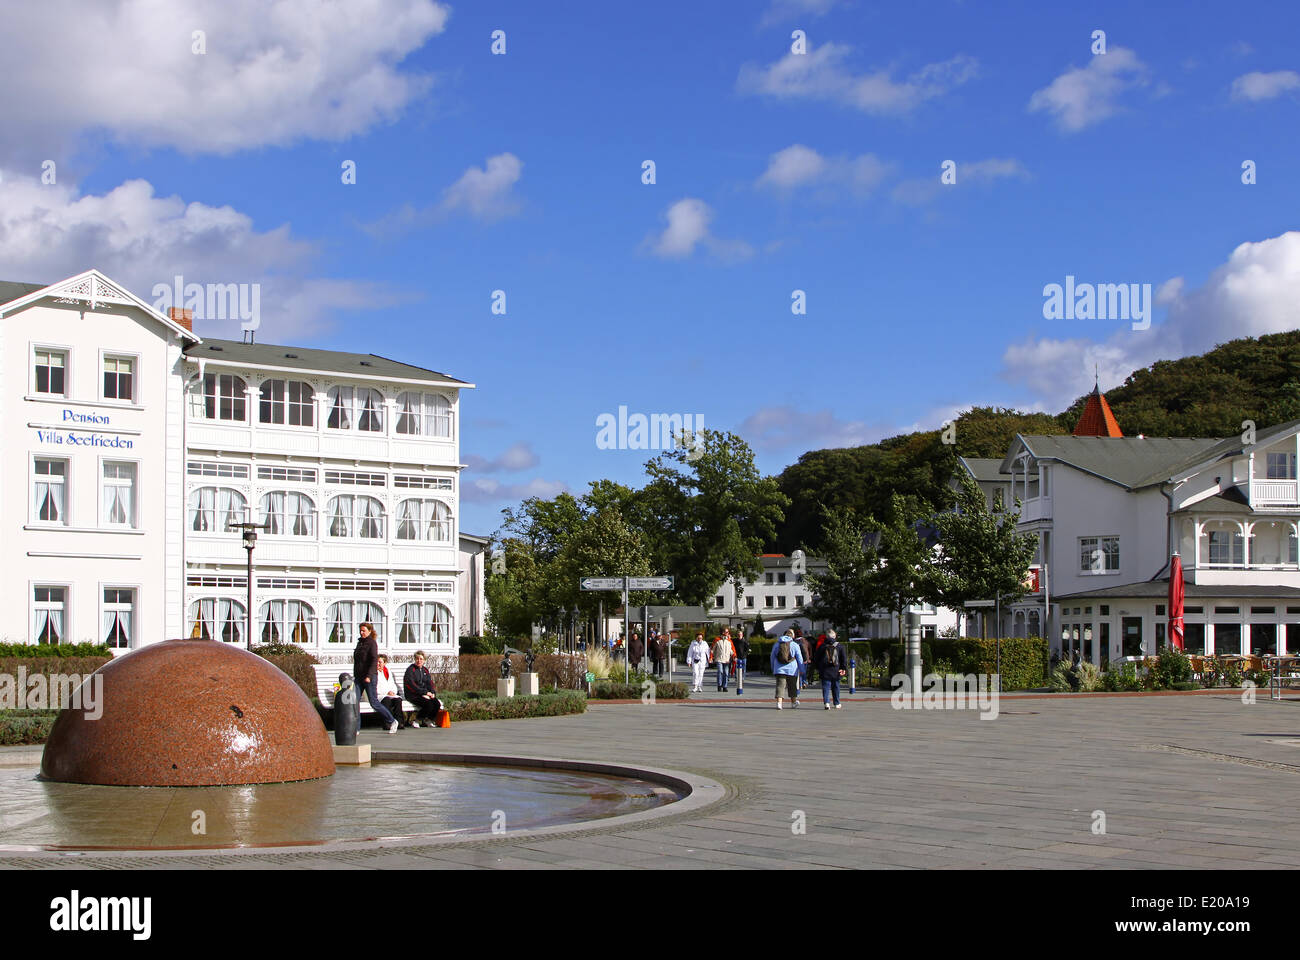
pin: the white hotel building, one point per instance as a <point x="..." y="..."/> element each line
<point x="140" y="443"/>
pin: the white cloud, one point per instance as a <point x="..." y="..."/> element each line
<point x="1264" y="86"/>
<point x="488" y="490"/>
<point x="1257" y="291"/>
<point x="820" y="74"/>
<point x="798" y="165"/>
<point x="688" y="228"/>
<point x="922" y="190"/>
<point x="486" y="193"/>
<point x="1083" y="96"/>
<point x="519" y="456"/>
<point x="274" y="71"/>
<point x="49" y="232"/>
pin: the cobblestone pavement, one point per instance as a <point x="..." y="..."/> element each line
<point x="1181" y="781"/>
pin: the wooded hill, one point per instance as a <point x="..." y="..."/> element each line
<point x="1204" y="396"/>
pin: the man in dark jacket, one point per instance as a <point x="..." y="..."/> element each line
<point x="635" y="651"/>
<point x="418" y="687"/>
<point x="806" y="649"/>
<point x="832" y="663"/>
<point x="365" y="668"/>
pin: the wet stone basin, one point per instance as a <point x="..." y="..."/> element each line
<point x="357" y="803"/>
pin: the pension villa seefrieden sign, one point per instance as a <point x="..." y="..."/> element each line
<point x="71" y="435"/>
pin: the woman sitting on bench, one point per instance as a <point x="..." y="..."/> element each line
<point x="386" y="687"/>
<point x="418" y="684"/>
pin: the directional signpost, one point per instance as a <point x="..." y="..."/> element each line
<point x="625" y="584"/>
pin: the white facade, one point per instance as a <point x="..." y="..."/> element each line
<point x="353" y="461"/>
<point x="1108" y="512"/>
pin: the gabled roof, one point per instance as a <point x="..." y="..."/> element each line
<point x="12" y="290"/>
<point x="1232" y="447"/>
<point x="1097" y="419"/>
<point x="1132" y="462"/>
<point x="90" y="287"/>
<point x="368" y="365"/>
<point x="1231" y="500"/>
<point x="985" y="469"/>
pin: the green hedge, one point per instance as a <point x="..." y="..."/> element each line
<point x="511" y="708"/>
<point x="21" y="727"/>
<point x="297" y="663"/>
<point x="49" y="665"/>
<point x="26" y="651"/>
<point x="607" y="690"/>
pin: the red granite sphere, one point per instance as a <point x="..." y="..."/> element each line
<point x="189" y="713"/>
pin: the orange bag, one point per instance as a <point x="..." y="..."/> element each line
<point x="443" y="719"/>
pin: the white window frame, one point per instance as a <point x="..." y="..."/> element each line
<point x="425" y="520"/>
<point x="423" y="625"/>
<point x="134" y="523"/>
<point x="32" y="602"/>
<point x="1288" y="464"/>
<point x="1101" y="542"/>
<point x="284" y="625"/>
<point x="63" y="348"/>
<point x="309" y="405"/>
<point x="32" y="509"/>
<point x="423" y="416"/>
<point x="189" y="521"/>
<point x="134" y="399"/>
<point x="287" y="518"/>
<point x="355" y="519"/>
<point x="105" y="607"/>
<point x="240" y="620"/>
<point x="199" y="410"/>
<point x="354" y="624"/>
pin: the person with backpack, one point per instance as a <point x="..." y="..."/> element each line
<point x="806" y="649"/>
<point x="832" y="663"/>
<point x="787" y="661"/>
<point x="723" y="653"/>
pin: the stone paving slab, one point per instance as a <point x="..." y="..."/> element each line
<point x="1201" y="781"/>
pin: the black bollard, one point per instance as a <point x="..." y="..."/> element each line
<point x="347" y="712"/>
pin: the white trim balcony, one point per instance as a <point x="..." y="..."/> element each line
<point x="1264" y="493"/>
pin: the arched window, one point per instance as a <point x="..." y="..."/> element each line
<point x="219" y="396"/>
<point x="356" y="408"/>
<point x="423" y="623"/>
<point x="423" y="414"/>
<point x="286" y="401"/>
<point x="424" y="520"/>
<point x="351" y="515"/>
<point x="288" y="621"/>
<point x="216" y="618"/>
<point x="346" y="616"/>
<point x="289" y="514"/>
<point x="213" y="509"/>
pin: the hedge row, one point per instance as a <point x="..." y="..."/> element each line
<point x="614" y="690"/>
<point x="49" y="664"/>
<point x="23" y="727"/>
<point x="512" y="708"/>
<point x="482" y="671"/>
<point x="27" y="651"/>
<point x="295" y="662"/>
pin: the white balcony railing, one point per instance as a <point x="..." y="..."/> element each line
<point x="1037" y="508"/>
<point x="1280" y="492"/>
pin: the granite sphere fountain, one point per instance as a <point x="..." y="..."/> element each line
<point x="190" y="713"/>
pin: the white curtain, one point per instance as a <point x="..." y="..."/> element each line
<point x="117" y="628"/>
<point x="217" y="618"/>
<point x="439" y="522"/>
<point x="408" y="520"/>
<point x="372" y="527"/>
<point x="49" y="626"/>
<point x="341" y="515"/>
<point x="213" y="509"/>
<point x="408" y="619"/>
<point x="118" y="504"/>
<point x="338" y="624"/>
<point x="49" y="500"/>
<point x="371" y="404"/>
<point x="433" y="620"/>
<point x="409" y="419"/>
<point x="437" y="410"/>
<point x="304" y="515"/>
<point x="340" y="399"/>
<point x="273" y="510"/>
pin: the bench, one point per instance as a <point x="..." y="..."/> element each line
<point x="327" y="674"/>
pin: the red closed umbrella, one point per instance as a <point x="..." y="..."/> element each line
<point x="1176" y="602"/>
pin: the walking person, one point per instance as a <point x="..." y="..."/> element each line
<point x="656" y="658"/>
<point x="787" y="658"/>
<point x="664" y="642"/>
<point x="418" y="686"/>
<point x="742" y="657"/>
<point x="697" y="655"/>
<point x="832" y="664"/>
<point x="365" y="659"/>
<point x="806" y="649"/>
<point x="636" y="651"/>
<point x="723" y="654"/>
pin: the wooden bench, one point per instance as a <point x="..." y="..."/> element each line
<point x="327" y="674"/>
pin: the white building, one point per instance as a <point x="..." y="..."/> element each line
<point x="1109" y="511"/>
<point x="780" y="592"/>
<point x="143" y="443"/>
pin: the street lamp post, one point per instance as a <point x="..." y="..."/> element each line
<point x="250" y="542"/>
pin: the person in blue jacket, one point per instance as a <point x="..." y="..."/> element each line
<point x="787" y="661"/>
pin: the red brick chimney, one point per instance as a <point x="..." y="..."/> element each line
<point x="184" y="317"/>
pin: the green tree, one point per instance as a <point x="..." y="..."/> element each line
<point x="981" y="555"/>
<point x="905" y="574"/>
<point x="846" y="592"/>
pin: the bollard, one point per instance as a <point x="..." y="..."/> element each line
<point x="853" y="675"/>
<point x="347" y="712"/>
<point x="740" y="677"/>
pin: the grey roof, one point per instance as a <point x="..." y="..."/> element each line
<point x="12" y="289"/>
<point x="1231" y="500"/>
<point x="1208" y="591"/>
<point x="1233" y="446"/>
<point x="985" y="469"/>
<point x="1132" y="462"/>
<point x="309" y="358"/>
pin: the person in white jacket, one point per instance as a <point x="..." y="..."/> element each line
<point x="386" y="688"/>
<point x="697" y="655"/>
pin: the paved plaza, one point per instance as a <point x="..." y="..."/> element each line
<point x="1196" y="781"/>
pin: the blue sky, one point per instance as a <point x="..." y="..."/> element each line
<point x="775" y="172"/>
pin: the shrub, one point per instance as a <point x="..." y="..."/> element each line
<point x="27" y="651"/>
<point x="481" y="645"/>
<point x="1123" y="677"/>
<point x="481" y="672"/>
<point x="1186" y="685"/>
<point x="21" y="727"/>
<point x="1024" y="659"/>
<point x="1089" y="676"/>
<point x="52" y="664"/>
<point x="510" y="708"/>
<point x="615" y="690"/>
<point x="1171" y="666"/>
<point x="1062" y="678"/>
<point x="295" y="662"/>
